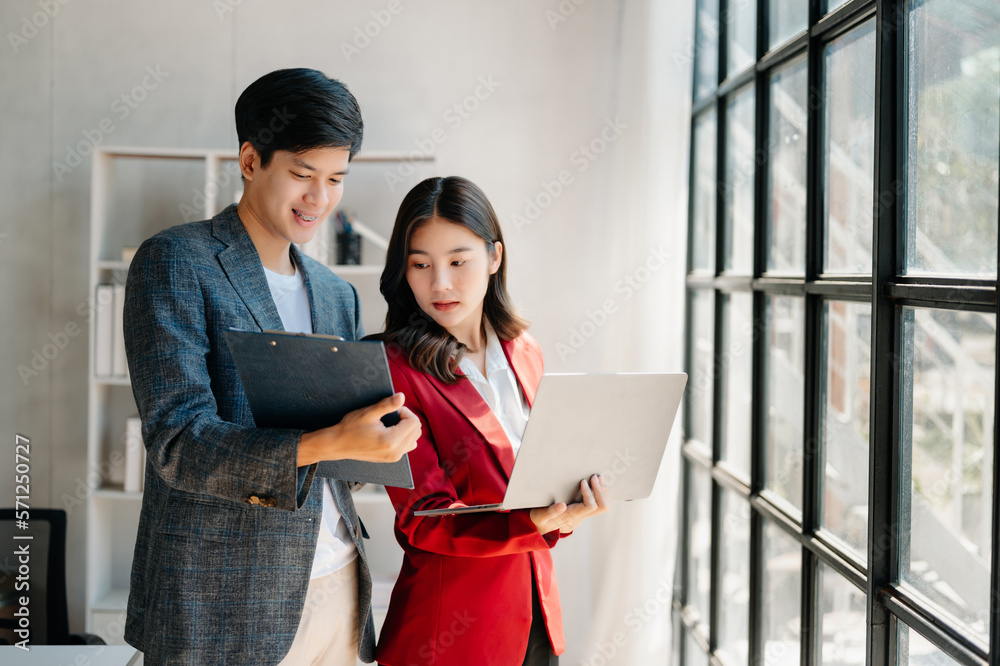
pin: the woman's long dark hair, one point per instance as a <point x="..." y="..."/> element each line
<point x="428" y="346"/>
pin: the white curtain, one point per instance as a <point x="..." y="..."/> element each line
<point x="629" y="569"/>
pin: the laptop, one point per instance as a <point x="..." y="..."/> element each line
<point x="615" y="425"/>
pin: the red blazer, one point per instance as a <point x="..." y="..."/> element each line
<point x="463" y="595"/>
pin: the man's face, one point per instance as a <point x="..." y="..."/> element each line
<point x="296" y="191"/>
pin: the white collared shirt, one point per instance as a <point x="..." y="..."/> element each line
<point x="334" y="546"/>
<point x="499" y="389"/>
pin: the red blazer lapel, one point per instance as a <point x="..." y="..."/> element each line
<point x="466" y="399"/>
<point x="527" y="367"/>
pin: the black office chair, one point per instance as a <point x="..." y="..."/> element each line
<point x="48" y="614"/>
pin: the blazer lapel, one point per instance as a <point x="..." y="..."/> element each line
<point x="527" y="369"/>
<point x="242" y="265"/>
<point x="467" y="400"/>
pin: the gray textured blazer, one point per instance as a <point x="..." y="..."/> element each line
<point x="216" y="578"/>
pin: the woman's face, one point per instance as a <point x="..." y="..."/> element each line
<point x="448" y="270"/>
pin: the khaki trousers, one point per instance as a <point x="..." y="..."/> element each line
<point x="328" y="630"/>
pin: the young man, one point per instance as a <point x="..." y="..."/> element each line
<point x="243" y="555"/>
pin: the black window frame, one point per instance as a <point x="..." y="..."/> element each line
<point x="887" y="290"/>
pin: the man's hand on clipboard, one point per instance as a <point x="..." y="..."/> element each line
<point x="362" y="435"/>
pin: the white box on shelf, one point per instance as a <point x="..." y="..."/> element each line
<point x="119" y="363"/>
<point x="135" y="455"/>
<point x="103" y="331"/>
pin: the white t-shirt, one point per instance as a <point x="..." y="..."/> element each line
<point x="334" y="547"/>
<point x="499" y="389"/>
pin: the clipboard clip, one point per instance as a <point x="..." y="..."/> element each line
<point x="314" y="335"/>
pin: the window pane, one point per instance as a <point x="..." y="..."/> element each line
<point x="947" y="458"/>
<point x="742" y="36"/>
<point x="676" y="635"/>
<point x="786" y="177"/>
<point x="738" y="186"/>
<point x="734" y="595"/>
<point x="699" y="508"/>
<point x="704" y="193"/>
<point x="842" y="620"/>
<point x="706" y="44"/>
<point x="912" y="648"/>
<point x="833" y="4"/>
<point x="736" y="362"/>
<point x="785" y="381"/>
<point x="700" y="385"/>
<point x="847" y="370"/>
<point x="693" y="654"/>
<point x="787" y="19"/>
<point x="782" y="588"/>
<point x="953" y="148"/>
<point x="849" y="158"/>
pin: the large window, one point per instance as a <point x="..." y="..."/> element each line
<point x="840" y="478"/>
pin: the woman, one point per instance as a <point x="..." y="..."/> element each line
<point x="476" y="588"/>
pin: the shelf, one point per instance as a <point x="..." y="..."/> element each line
<point x="116" y="494"/>
<point x="113" y="381"/>
<point x="225" y="154"/>
<point x="354" y="269"/>
<point x="346" y="269"/>
<point x="166" y="153"/>
<point x="113" y="265"/>
<point x="385" y="156"/>
<point x="343" y="269"/>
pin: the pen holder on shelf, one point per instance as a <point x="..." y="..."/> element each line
<point x="348" y="248"/>
<point x="348" y="241"/>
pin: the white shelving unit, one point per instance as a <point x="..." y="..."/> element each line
<point x="163" y="187"/>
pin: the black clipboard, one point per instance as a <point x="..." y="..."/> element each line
<point x="308" y="382"/>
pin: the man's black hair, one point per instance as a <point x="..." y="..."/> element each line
<point x="298" y="110"/>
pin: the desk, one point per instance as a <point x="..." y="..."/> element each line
<point x="71" y="655"/>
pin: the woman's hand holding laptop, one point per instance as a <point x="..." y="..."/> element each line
<point x="566" y="517"/>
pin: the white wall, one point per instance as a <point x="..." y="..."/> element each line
<point x="558" y="80"/>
